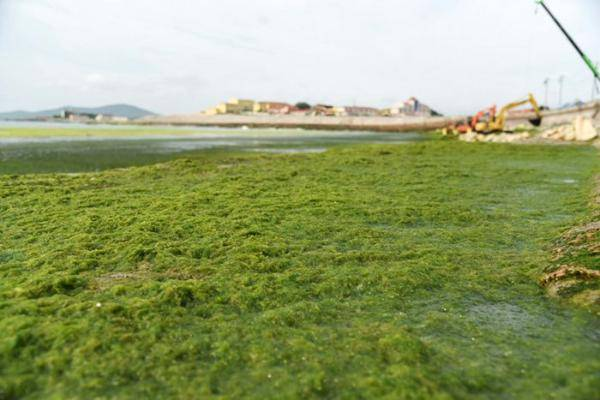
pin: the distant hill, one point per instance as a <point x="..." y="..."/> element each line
<point x="118" y="110"/>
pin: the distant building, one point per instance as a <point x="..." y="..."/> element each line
<point x="355" y="111"/>
<point x="224" y="108"/>
<point x="77" y="117"/>
<point x="110" y="118"/>
<point x="74" y="116"/>
<point x="212" y="111"/>
<point x="410" y="107"/>
<point x="242" y="104"/>
<point x="118" y="119"/>
<point x="233" y="106"/>
<point x="323" y="109"/>
<point x="385" y="112"/>
<point x="272" y="107"/>
<point x="229" y="108"/>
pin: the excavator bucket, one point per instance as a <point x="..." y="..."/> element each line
<point x="536" y="121"/>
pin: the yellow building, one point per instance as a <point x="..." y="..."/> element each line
<point x="233" y="106"/>
<point x="260" y="107"/>
<point x="242" y="105"/>
<point x="229" y="108"/>
<point x="272" y="107"/>
<point x="212" y="111"/>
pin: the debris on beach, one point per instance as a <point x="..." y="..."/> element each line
<point x="573" y="275"/>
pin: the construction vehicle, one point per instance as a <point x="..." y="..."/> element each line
<point x="496" y="122"/>
<point x="489" y="120"/>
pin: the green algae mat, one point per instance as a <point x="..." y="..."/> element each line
<point x="371" y="271"/>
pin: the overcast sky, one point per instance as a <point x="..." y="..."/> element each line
<point x="181" y="56"/>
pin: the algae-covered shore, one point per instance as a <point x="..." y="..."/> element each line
<point x="367" y="271"/>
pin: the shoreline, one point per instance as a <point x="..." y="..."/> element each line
<point x="330" y="123"/>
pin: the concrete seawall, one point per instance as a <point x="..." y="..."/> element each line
<point x="557" y="117"/>
<point x="380" y="124"/>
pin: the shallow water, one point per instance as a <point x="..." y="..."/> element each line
<point x="76" y="125"/>
<point x="42" y="153"/>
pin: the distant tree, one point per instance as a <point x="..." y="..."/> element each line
<point x="303" y="106"/>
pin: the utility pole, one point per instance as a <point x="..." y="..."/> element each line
<point x="546" y="82"/>
<point x="561" y="79"/>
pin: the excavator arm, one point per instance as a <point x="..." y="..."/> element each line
<point x="498" y="123"/>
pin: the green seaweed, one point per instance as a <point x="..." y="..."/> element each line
<point x="371" y="271"/>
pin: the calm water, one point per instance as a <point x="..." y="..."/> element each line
<point x="93" y="153"/>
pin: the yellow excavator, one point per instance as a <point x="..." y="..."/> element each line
<point x="488" y="120"/>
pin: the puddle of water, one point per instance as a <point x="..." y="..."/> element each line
<point x="189" y="145"/>
<point x="503" y="316"/>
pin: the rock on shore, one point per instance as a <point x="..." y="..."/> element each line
<point x="494" y="137"/>
<point x="582" y="130"/>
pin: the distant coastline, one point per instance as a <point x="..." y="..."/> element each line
<point x="362" y="123"/>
